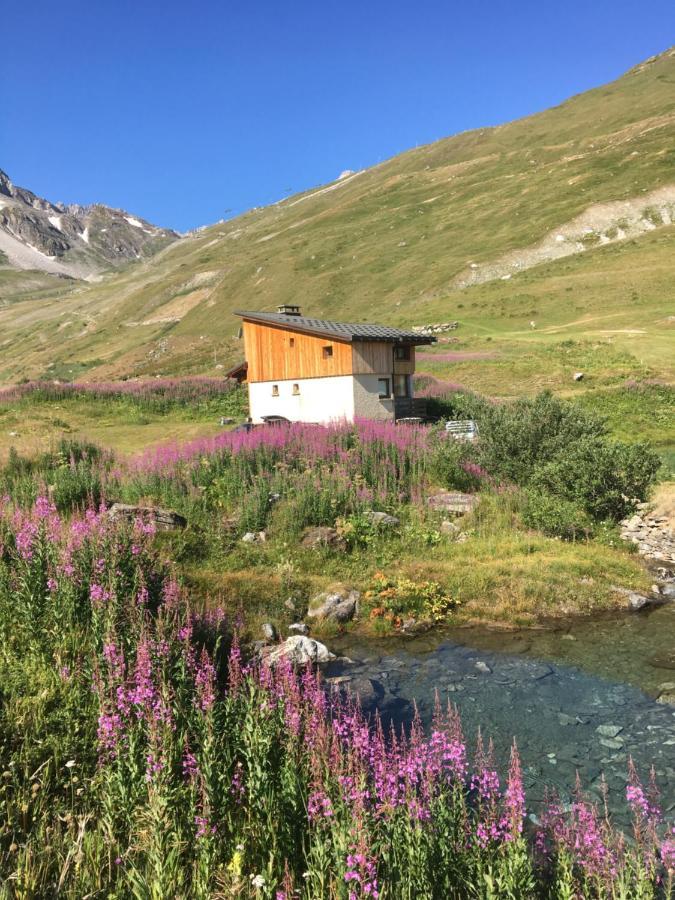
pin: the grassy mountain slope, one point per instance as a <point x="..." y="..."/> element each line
<point x="395" y="243"/>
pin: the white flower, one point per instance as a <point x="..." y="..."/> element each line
<point x="70" y="764"/>
<point x="257" y="881"/>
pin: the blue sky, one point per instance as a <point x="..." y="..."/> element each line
<point x="189" y="112"/>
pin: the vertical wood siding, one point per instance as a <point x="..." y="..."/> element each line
<point x="272" y="357"/>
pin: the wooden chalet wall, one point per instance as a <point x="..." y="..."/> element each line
<point x="272" y="357"/>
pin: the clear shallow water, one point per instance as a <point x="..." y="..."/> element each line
<point x="551" y="690"/>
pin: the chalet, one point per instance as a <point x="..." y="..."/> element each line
<point x="312" y="370"/>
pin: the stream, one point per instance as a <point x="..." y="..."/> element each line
<point x="576" y="698"/>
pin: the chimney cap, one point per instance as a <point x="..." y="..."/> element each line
<point x="287" y="309"/>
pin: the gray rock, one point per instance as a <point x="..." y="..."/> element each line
<point x="164" y="519"/>
<point x="416" y="626"/>
<point x="382" y="519"/>
<point x="299" y="650"/>
<point x="453" y="502"/>
<point x="483" y="667"/>
<point x="609" y="731"/>
<point x="339" y="605"/>
<point x="636" y="601"/>
<point x="323" y="536"/>
<point x="299" y="628"/>
<point x="578" y="376"/>
<point x="254" y="537"/>
<point x="612" y="743"/>
<point x="269" y="632"/>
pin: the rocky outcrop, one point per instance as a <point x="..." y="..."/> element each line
<point x="653" y="536"/>
<point x="438" y="328"/>
<point x="79" y="241"/>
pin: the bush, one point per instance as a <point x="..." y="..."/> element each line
<point x="605" y="478"/>
<point x="555" y="516"/>
<point x="516" y="437"/>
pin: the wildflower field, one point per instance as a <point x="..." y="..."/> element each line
<point x="146" y="753"/>
<point x="142" y="756"/>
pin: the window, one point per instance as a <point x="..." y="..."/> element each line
<point x="291" y="342"/>
<point x="275" y="390"/>
<point x="383" y="388"/>
<point x="327" y="352"/>
<point x="402" y="353"/>
<point x="296" y="390"/>
<point x="401" y="386"/>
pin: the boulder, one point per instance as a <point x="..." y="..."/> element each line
<point x="339" y="605"/>
<point x="578" y="376"/>
<point x="382" y="519"/>
<point x="416" y="626"/>
<point x="323" y="536"/>
<point x="269" y="632"/>
<point x="163" y="519"/>
<point x="299" y="628"/>
<point x="299" y="650"/>
<point x="254" y="537"/>
<point x="635" y="600"/>
<point x="453" y="502"/>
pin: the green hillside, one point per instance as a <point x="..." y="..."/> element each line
<point x="397" y="242"/>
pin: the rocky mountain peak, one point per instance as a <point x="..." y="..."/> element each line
<point x="73" y="240"/>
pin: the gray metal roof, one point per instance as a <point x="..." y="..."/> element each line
<point x="341" y="331"/>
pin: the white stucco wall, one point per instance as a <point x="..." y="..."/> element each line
<point x="320" y="399"/>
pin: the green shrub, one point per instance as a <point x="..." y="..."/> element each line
<point x="554" y="516"/>
<point x="604" y="478"/>
<point x="515" y="438"/>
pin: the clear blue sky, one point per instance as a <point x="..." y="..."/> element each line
<point x="188" y="112"/>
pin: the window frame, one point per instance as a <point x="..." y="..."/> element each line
<point x="387" y="382"/>
<point x="295" y="390"/>
<point x="275" y="390"/>
<point x="327" y="351"/>
<point x="402" y="353"/>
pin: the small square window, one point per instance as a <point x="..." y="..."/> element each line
<point x="383" y="390"/>
<point x="275" y="390"/>
<point x="296" y="390"/>
<point x="327" y="352"/>
<point x="402" y="353"/>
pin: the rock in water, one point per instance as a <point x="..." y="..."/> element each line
<point x="299" y="650"/>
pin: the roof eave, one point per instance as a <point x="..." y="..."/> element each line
<point x="414" y="340"/>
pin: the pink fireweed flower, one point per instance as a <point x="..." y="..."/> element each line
<point x="204" y="828"/>
<point x="98" y="595"/>
<point x="515" y="796"/>
<point x="319" y="806"/>
<point x="237" y="787"/>
<point x="205" y="682"/>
